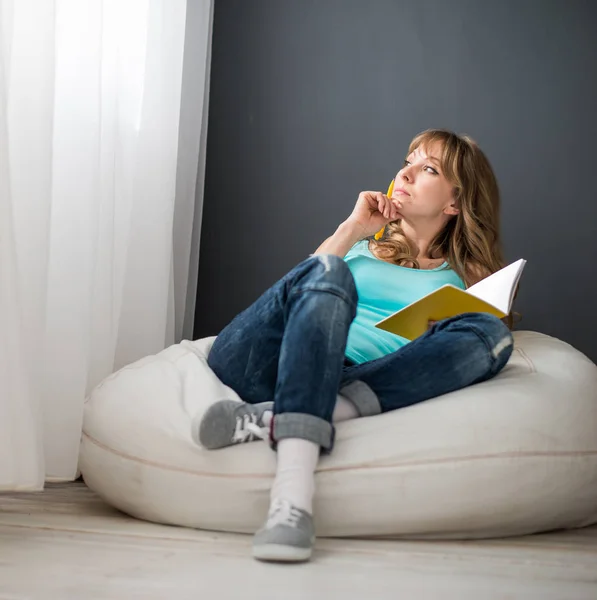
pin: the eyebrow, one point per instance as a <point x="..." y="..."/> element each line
<point x="430" y="158"/>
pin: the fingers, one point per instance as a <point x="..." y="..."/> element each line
<point x="387" y="207"/>
<point x="381" y="204"/>
<point x="396" y="205"/>
<point x="370" y="199"/>
<point x="395" y="214"/>
<point x="377" y="201"/>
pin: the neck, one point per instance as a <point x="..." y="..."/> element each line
<point x="421" y="235"/>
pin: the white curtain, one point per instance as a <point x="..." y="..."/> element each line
<point x="102" y="144"/>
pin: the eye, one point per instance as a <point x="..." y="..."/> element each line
<point x="406" y="163"/>
<point x="430" y="169"/>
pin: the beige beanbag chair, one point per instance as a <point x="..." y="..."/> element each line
<point x="514" y="455"/>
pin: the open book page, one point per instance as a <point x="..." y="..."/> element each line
<point x="499" y="289"/>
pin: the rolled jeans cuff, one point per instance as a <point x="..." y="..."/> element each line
<point x="363" y="398"/>
<point x="303" y="426"/>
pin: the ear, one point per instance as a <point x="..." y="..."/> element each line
<point x="452" y="209"/>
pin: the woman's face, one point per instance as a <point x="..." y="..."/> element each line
<point x="421" y="190"/>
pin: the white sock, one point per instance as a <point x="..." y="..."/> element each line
<point x="295" y="472"/>
<point x="344" y="410"/>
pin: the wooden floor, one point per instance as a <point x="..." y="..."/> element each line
<point x="66" y="544"/>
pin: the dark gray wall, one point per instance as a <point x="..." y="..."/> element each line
<point x="313" y="101"/>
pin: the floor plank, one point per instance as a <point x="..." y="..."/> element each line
<point x="66" y="543"/>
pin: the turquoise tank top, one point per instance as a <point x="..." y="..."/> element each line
<point x="384" y="288"/>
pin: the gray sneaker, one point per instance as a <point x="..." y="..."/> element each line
<point x="230" y="422"/>
<point x="287" y="536"/>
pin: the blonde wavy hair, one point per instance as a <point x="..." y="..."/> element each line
<point x="470" y="242"/>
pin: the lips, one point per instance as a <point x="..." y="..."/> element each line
<point x="401" y="192"/>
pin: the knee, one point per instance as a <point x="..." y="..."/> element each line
<point x="496" y="334"/>
<point x="492" y="332"/>
<point x="332" y="271"/>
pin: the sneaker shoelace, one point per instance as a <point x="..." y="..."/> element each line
<point x="247" y="429"/>
<point x="282" y="513"/>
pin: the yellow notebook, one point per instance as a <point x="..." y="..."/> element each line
<point x="493" y="295"/>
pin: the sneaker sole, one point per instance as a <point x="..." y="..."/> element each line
<point x="281" y="553"/>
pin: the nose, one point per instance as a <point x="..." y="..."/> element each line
<point x="405" y="173"/>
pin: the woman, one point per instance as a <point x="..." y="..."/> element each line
<point x="306" y="354"/>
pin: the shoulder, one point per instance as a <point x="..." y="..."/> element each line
<point x="361" y="247"/>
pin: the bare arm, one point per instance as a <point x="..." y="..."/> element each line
<point x="343" y="239"/>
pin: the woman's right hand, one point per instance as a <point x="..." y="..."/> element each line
<point x="373" y="211"/>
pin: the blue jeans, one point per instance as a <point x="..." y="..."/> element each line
<point x="289" y="346"/>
